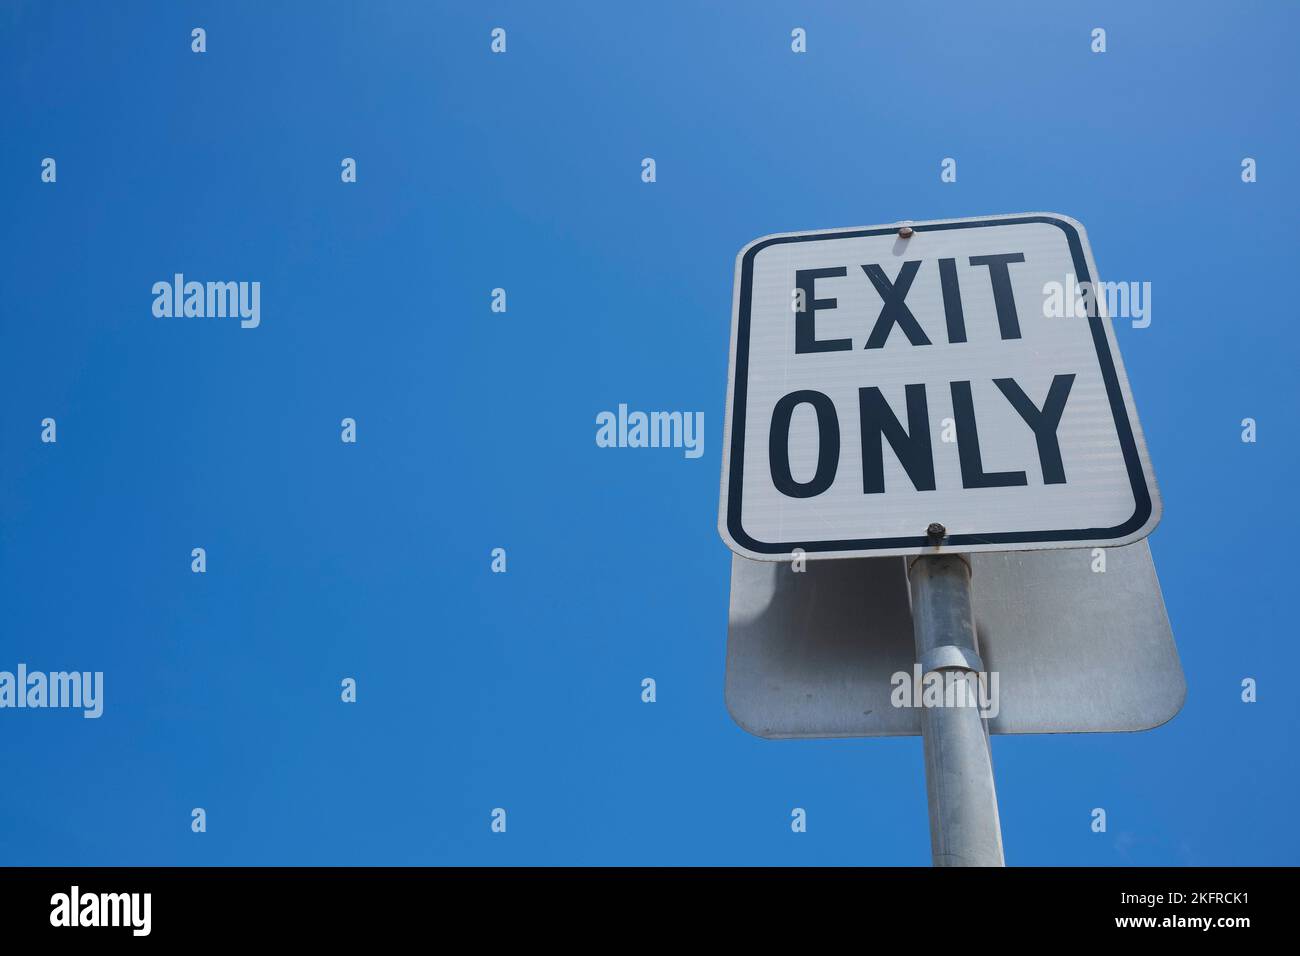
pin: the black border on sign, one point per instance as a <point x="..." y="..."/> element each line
<point x="1132" y="460"/>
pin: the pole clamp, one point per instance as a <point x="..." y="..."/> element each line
<point x="951" y="657"/>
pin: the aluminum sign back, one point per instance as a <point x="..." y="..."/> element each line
<point x="817" y="653"/>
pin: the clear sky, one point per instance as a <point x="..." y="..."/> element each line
<point x="475" y="429"/>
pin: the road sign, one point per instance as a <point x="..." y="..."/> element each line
<point x="816" y="653"/>
<point x="884" y="379"/>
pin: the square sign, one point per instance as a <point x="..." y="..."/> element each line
<point x="883" y="379"/>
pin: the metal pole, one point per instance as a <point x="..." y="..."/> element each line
<point x="964" y="827"/>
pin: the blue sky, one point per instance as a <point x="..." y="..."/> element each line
<point x="476" y="430"/>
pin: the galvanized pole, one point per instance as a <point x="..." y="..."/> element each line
<point x="964" y="826"/>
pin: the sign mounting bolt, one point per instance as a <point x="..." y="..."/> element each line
<point x="905" y="232"/>
<point x="936" y="532"/>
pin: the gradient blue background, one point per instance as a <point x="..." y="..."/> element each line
<point x="476" y="430"/>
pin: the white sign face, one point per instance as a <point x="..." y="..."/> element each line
<point x="880" y="384"/>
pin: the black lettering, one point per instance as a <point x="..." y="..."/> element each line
<point x="968" y="446"/>
<point x="805" y="322"/>
<point x="952" y="312"/>
<point x="1044" y="423"/>
<point x="828" y="444"/>
<point x="1003" y="300"/>
<point x="913" y="448"/>
<point x="894" y="312"/>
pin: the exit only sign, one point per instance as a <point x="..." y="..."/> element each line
<point x="882" y="381"/>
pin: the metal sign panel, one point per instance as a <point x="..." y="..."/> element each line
<point x="881" y="383"/>
<point x="816" y="653"/>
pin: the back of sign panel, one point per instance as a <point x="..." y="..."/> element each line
<point x="818" y="652"/>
